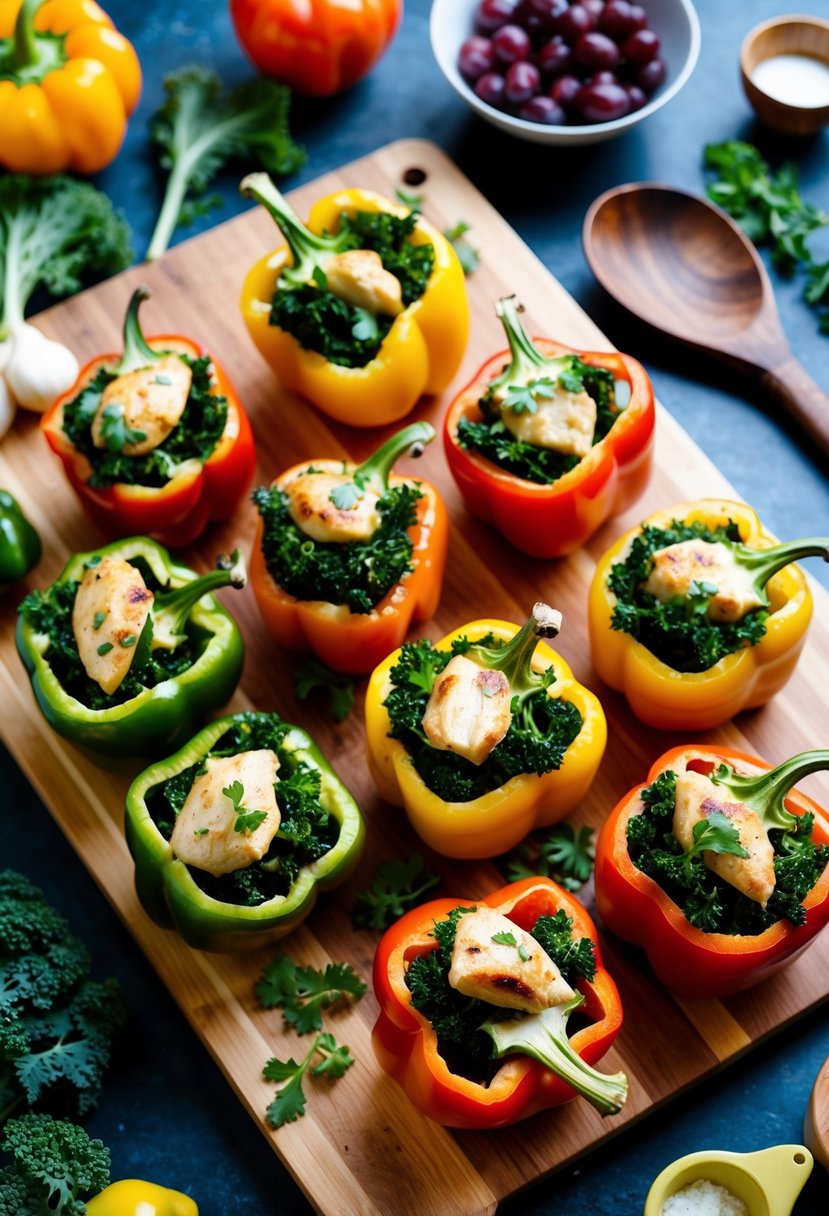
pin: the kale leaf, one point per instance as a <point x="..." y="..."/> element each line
<point x="539" y="734"/>
<point x="193" y="438"/>
<point x="54" y="1166"/>
<point x="322" y="322"/>
<point x="56" y="1024"/>
<point x="679" y="632"/>
<point x="357" y="574"/>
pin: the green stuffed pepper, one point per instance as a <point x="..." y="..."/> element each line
<point x="127" y="651"/>
<point x="235" y="834"/>
<point x="19" y="542"/>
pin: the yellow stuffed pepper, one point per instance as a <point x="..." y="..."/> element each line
<point x="699" y="613"/>
<point x="361" y="311"/>
<point x="68" y="83"/>
<point x="483" y="736"/>
<point x="130" y="1197"/>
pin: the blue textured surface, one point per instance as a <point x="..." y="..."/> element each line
<point x="166" y="1112"/>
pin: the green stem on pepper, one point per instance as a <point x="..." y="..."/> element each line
<point x="374" y="472"/>
<point x="308" y="250"/>
<point x="764" y="793"/>
<point x="514" y="659"/>
<point x="528" y="363"/>
<point x="168" y="620"/>
<point x="765" y="563"/>
<point x="137" y="351"/>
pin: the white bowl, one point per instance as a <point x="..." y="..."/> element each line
<point x="675" y="21"/>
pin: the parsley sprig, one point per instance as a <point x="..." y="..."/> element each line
<point x="397" y="885"/>
<point x="302" y="993"/>
<point x="564" y="853"/>
<point x="115" y="431"/>
<point x="313" y="674"/>
<point x="290" y="1101"/>
<point x="246" y="820"/>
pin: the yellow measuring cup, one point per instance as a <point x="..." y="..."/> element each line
<point x="768" y="1181"/>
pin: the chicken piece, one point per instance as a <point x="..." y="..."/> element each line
<point x="359" y="277"/>
<point x="205" y="834"/>
<point x="498" y="972"/>
<point x="469" y="709"/>
<point x="696" y="799"/>
<point x="564" y="422"/>
<point x="110" y="610"/>
<point x="150" y="400"/>
<point x="677" y="566"/>
<point x="313" y="511"/>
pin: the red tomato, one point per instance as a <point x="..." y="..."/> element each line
<point x="318" y="47"/>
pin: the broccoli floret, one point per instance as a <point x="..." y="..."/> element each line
<point x="54" y="1168"/>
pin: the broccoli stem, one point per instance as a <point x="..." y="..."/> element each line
<point x="171" y="608"/>
<point x="375" y="471"/>
<point x="543" y="1037"/>
<point x="308" y="250"/>
<point x="764" y="793"/>
<point x="137" y="353"/>
<point x="527" y="360"/>
<point x="765" y="563"/>
<point x="515" y="658"/>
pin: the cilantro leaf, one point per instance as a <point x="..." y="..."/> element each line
<point x="564" y="853"/>
<point x="413" y="201"/>
<point x="290" y="1101"/>
<point x="524" y="398"/>
<point x="302" y="993"/>
<point x="396" y="886"/>
<point x="114" y="430"/>
<point x="468" y="257"/>
<point x="313" y="674"/>
<point x="715" y="834"/>
<point x="246" y="820"/>
<point x="346" y="496"/>
<point x="505" y="939"/>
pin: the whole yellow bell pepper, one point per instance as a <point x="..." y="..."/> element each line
<point x="133" y="1198"/>
<point x="420" y="353"/>
<point x="68" y="83"/>
<point x="698" y="700"/>
<point x="497" y="821"/>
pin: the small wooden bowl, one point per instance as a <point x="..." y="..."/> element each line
<point x="793" y="35"/>
<point x="816" y="1122"/>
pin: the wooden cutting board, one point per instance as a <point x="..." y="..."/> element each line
<point x="361" y="1148"/>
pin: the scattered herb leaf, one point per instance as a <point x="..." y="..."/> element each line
<point x="303" y="992"/>
<point x="397" y="885"/>
<point x="289" y="1103"/>
<point x="313" y="674"/>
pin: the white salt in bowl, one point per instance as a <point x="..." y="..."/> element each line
<point x="768" y="1182"/>
<point x="792" y="100"/>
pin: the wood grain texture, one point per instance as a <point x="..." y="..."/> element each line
<point x="685" y="268"/>
<point x="361" y="1148"/>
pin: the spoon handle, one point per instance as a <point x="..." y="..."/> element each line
<point x="802" y="397"/>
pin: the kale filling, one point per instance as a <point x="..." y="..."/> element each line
<point x="708" y="902"/>
<point x="678" y="632"/>
<point x="539" y="734"/>
<point x="50" y="612"/>
<point x="195" y="436"/>
<point x="322" y="322"/>
<point x="456" y="1019"/>
<point x="358" y="573"/>
<point x="492" y="439"/>
<point x="306" y="830"/>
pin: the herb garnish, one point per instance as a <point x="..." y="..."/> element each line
<point x="313" y="674"/>
<point x="302" y="993"/>
<point x="397" y="885"/>
<point x="563" y="853"/>
<point x="246" y="820"/>
<point x="290" y="1101"/>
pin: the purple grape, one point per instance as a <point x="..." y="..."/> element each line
<point x="490" y="88"/>
<point x="602" y="102"/>
<point x="544" y="110"/>
<point x="641" y="47"/>
<point x="615" y="20"/>
<point x="594" y="8"/>
<point x="603" y="77"/>
<point x="492" y="14"/>
<point x="637" y="97"/>
<point x="475" y="57"/>
<point x="650" y="75"/>
<point x="554" y="57"/>
<point x="548" y="11"/>
<point x="565" y="90"/>
<point x="638" y="17"/>
<point x="522" y="82"/>
<point x="574" y="22"/>
<point x="511" y="43"/>
<point x="596" y="51"/>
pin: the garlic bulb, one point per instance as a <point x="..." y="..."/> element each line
<point x="37" y="369"/>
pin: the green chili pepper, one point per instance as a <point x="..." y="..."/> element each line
<point x="19" y="543"/>
<point x="184" y="614"/>
<point x="173" y="893"/>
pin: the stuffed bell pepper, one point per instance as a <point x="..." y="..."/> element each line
<point x="547" y="443"/>
<point x="153" y="441"/>
<point x="132" y="1197"/>
<point x="475" y="999"/>
<point x="699" y="613"/>
<point x="128" y="652"/>
<point x="68" y="83"/>
<point x="716" y="868"/>
<point x="362" y="311"/>
<point x="20" y="546"/>
<point x="234" y="836"/>
<point x="346" y="558"/>
<point x="483" y="736"/>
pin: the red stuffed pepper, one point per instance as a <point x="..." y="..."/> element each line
<point x="551" y="445"/>
<point x="474" y="1000"/>
<point x="153" y="441"/>
<point x="715" y="868"/>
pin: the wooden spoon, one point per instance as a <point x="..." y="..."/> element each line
<point x="684" y="267"/>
